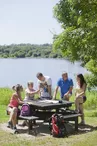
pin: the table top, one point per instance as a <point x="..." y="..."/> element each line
<point x="48" y="104"/>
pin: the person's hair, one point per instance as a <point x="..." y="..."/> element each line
<point x="29" y="83"/>
<point x="64" y="72"/>
<point x="39" y="75"/>
<point x="17" y="87"/>
<point x="82" y="80"/>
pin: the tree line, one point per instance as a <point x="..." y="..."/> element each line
<point x="28" y="50"/>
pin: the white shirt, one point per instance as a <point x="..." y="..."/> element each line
<point x="44" y="86"/>
<point x="28" y="95"/>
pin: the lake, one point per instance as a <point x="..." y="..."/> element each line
<point x="13" y="71"/>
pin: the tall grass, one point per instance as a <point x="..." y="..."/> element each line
<point x="5" y="95"/>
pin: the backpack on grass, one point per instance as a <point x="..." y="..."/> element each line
<point x="57" y="126"/>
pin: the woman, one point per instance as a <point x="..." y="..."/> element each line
<point x="80" y="95"/>
<point x="13" y="106"/>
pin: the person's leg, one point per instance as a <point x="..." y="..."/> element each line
<point x="14" y="116"/>
<point x="77" y="105"/>
<point x="9" y="110"/>
<point x="82" y="113"/>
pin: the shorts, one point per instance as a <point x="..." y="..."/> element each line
<point x="9" y="109"/>
<point x="84" y="99"/>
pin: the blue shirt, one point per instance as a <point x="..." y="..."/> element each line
<point x="64" y="85"/>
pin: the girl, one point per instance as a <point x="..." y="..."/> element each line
<point x="13" y="106"/>
<point x="29" y="91"/>
<point x="80" y="95"/>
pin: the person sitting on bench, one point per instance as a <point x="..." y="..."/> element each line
<point x="13" y="106"/>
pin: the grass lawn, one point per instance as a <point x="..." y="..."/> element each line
<point x="79" y="139"/>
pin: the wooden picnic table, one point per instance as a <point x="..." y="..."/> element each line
<point x="44" y="109"/>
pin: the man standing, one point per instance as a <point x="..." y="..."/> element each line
<point x="66" y="85"/>
<point x="45" y="86"/>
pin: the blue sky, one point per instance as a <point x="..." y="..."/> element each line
<point x="27" y="21"/>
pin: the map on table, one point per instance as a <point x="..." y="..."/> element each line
<point x="49" y="101"/>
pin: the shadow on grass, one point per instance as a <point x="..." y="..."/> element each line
<point x="83" y="129"/>
<point x="43" y="129"/>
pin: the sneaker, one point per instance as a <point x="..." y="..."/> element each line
<point x="82" y="123"/>
<point x="10" y="125"/>
<point x="15" y="131"/>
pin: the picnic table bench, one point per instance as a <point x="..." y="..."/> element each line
<point x="30" y="119"/>
<point x="72" y="117"/>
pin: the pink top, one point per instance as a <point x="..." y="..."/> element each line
<point x="14" y="102"/>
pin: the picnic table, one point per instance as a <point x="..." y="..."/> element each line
<point x="44" y="109"/>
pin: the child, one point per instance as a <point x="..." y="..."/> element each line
<point x="13" y="106"/>
<point x="29" y="91"/>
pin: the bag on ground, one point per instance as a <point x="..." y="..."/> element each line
<point x="57" y="126"/>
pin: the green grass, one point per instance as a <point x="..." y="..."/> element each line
<point x="3" y="114"/>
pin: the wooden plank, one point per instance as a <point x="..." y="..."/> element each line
<point x="28" y="117"/>
<point x="71" y="116"/>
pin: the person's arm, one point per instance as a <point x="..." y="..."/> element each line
<point x="55" y="92"/>
<point x="69" y="91"/>
<point x="70" y="88"/>
<point x="32" y="92"/>
<point x="83" y="90"/>
<point x="50" y="91"/>
<point x="56" y="89"/>
<point x="21" y="102"/>
<point x="49" y="83"/>
<point x="35" y="92"/>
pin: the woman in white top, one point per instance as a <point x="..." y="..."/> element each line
<point x="80" y="95"/>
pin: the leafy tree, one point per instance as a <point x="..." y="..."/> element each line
<point x="78" y="41"/>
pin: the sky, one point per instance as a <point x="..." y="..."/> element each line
<point x="27" y="21"/>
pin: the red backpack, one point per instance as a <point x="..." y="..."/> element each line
<point x="57" y="126"/>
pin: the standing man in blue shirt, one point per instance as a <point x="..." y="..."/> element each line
<point x="66" y="85"/>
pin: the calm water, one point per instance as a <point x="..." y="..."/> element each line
<point x="13" y="71"/>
